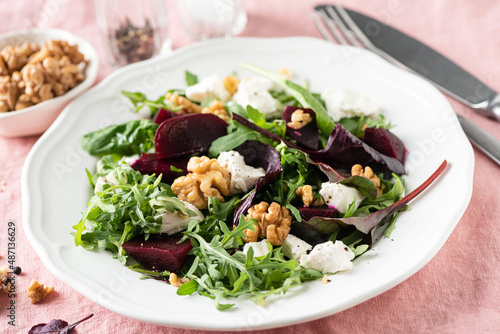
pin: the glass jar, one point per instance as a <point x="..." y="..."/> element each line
<point x="204" y="19"/>
<point x="132" y="30"/>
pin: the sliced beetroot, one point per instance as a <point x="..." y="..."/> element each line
<point x="188" y="134"/>
<point x="158" y="252"/>
<point x="168" y="167"/>
<point x="343" y="149"/>
<point x="164" y="114"/>
<point x="306" y="213"/>
<point x="386" y="143"/>
<point x="307" y="136"/>
<point x="258" y="154"/>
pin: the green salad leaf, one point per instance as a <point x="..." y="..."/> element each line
<point x="219" y="274"/>
<point x="301" y="94"/>
<point x="139" y="101"/>
<point x="133" y="137"/>
<point x="124" y="208"/>
<point x="191" y="79"/>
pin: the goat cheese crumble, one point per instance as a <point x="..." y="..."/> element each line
<point x="328" y="257"/>
<point x="342" y="103"/>
<point x="255" y="92"/>
<point x="338" y="196"/>
<point x="243" y="177"/>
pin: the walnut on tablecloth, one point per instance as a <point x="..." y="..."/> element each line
<point x="37" y="292"/>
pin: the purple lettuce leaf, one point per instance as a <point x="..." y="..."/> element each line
<point x="258" y="154"/>
<point x="369" y="224"/>
<point x="333" y="175"/>
<point x="56" y="326"/>
<point x="308" y="233"/>
<point x="307" y="136"/>
<point x="188" y="134"/>
<point x="171" y="168"/>
<point x="343" y="149"/>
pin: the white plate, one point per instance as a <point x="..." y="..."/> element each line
<point x="55" y="188"/>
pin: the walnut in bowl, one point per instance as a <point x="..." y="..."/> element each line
<point x="41" y="70"/>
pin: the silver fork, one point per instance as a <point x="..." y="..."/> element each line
<point x="335" y="25"/>
<point x="333" y="21"/>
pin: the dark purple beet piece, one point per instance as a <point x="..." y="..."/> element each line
<point x="150" y="164"/>
<point x="258" y="154"/>
<point x="158" y="252"/>
<point x="306" y="136"/>
<point x="188" y="134"/>
<point x="386" y="143"/>
<point x="318" y="211"/>
<point x="343" y="149"/>
<point x="164" y="114"/>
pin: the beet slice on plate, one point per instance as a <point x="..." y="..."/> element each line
<point x="158" y="252"/>
<point x="188" y="134"/>
<point x="306" y="213"/>
<point x="164" y="114"/>
<point x="386" y="143"/>
<point x="150" y="164"/>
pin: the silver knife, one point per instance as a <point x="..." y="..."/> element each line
<point x="421" y="59"/>
<point x="404" y="50"/>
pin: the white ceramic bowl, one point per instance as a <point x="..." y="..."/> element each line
<point x="36" y="119"/>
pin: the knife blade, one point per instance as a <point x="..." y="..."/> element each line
<point x="428" y="63"/>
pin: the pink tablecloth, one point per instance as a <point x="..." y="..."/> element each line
<point x="457" y="292"/>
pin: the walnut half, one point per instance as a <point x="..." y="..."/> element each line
<point x="207" y="179"/>
<point x="37" y="292"/>
<point x="273" y="223"/>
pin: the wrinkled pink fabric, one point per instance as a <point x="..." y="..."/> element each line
<point x="457" y="292"/>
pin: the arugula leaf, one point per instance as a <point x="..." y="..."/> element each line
<point x="236" y="108"/>
<point x="191" y="79"/>
<point x="125" y="209"/>
<point x="139" y="101"/>
<point x="276" y="126"/>
<point x="217" y="274"/>
<point x="133" y="137"/>
<point x="301" y="94"/>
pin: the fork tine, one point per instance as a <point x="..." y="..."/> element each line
<point x="353" y="27"/>
<point x="321" y="28"/>
<point x="331" y="26"/>
<point x="341" y="26"/>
